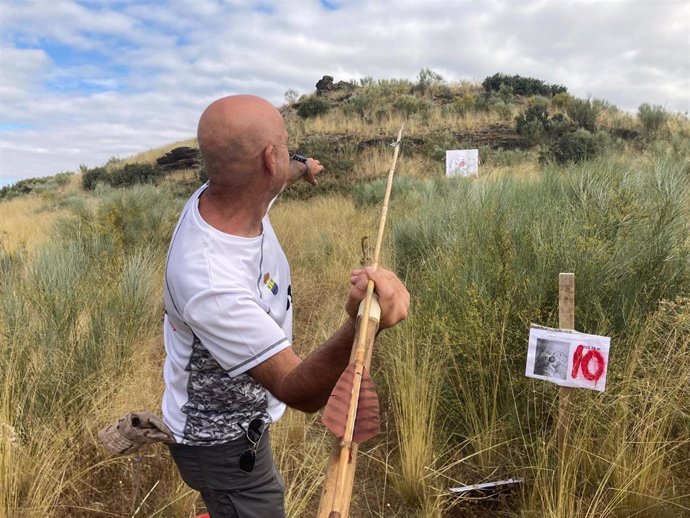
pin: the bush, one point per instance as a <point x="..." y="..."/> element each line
<point x="518" y="85"/>
<point x="437" y="142"/>
<point x="427" y="79"/>
<point x="91" y="177"/>
<point x="133" y="174"/>
<point x="22" y="187"/>
<point x="130" y="174"/>
<point x="578" y="145"/>
<point x="584" y="113"/>
<point x="562" y="100"/>
<point x="312" y="107"/>
<point x="291" y="96"/>
<point x="465" y="103"/>
<point x="653" y="118"/>
<point x="409" y="105"/>
<point x="503" y="110"/>
<point x="362" y="104"/>
<point x="531" y="124"/>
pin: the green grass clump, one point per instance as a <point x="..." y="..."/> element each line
<point x="406" y="190"/>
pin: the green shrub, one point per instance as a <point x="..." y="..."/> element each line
<point x="63" y="179"/>
<point x="393" y="87"/>
<point x="531" y="124"/>
<point x="75" y="310"/>
<point x="130" y="174"/>
<point x="46" y="185"/>
<point x="578" y="145"/>
<point x="518" y="85"/>
<point x="409" y="105"/>
<point x="133" y="174"/>
<point x="557" y="126"/>
<point x="653" y="118"/>
<point x="503" y="110"/>
<point x="91" y="177"/>
<point x="427" y="79"/>
<point x="583" y="113"/>
<point x="362" y="104"/>
<point x="437" y="142"/>
<point x="465" y="103"/>
<point x="562" y="100"/>
<point x="312" y="107"/>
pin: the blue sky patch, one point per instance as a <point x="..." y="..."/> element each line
<point x="8" y="180"/>
<point x="331" y="5"/>
<point x="263" y="7"/>
<point x="13" y="126"/>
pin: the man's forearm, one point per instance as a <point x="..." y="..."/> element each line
<point x="311" y="382"/>
<point x="297" y="171"/>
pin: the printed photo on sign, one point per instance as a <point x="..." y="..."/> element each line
<point x="551" y="359"/>
<point x="462" y="162"/>
<point x="568" y="358"/>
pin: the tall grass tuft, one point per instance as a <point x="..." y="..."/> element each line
<point x="413" y="365"/>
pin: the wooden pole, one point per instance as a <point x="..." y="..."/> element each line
<point x="328" y="494"/>
<point x="335" y="499"/>
<point x="566" y="320"/>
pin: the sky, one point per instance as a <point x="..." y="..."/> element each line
<point x="82" y="81"/>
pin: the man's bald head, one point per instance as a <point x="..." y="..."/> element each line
<point x="233" y="133"/>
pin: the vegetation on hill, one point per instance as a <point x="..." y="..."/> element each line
<point x="565" y="184"/>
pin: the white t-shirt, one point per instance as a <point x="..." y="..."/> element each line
<point x="228" y="308"/>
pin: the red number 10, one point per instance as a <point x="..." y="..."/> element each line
<point x="581" y="362"/>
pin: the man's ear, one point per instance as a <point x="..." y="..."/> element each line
<point x="269" y="159"/>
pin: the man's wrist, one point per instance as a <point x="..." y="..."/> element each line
<point x="302" y="158"/>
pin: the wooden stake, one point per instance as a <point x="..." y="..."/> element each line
<point x="566" y="320"/>
<point x="335" y="499"/>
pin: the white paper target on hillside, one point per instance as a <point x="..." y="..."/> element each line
<point x="462" y="162"/>
<point x="568" y="358"/>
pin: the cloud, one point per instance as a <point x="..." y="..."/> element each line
<point x="81" y="81"/>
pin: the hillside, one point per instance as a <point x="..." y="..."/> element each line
<point x="565" y="184"/>
<point x="514" y="121"/>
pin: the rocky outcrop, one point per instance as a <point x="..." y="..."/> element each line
<point x="326" y="85"/>
<point x="180" y="158"/>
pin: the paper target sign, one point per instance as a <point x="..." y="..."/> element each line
<point x="462" y="162"/>
<point x="568" y="358"/>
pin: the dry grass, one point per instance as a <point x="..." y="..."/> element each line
<point x="437" y="118"/>
<point x="26" y="221"/>
<point x="375" y="162"/>
<point x="413" y="369"/>
<point x="322" y="240"/>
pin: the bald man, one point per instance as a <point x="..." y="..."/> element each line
<point x="230" y="369"/>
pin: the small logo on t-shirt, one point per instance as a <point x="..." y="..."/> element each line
<point x="270" y="283"/>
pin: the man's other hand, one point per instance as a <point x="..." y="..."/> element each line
<point x="394" y="298"/>
<point x="313" y="170"/>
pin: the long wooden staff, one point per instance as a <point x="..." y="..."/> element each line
<point x="352" y="412"/>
